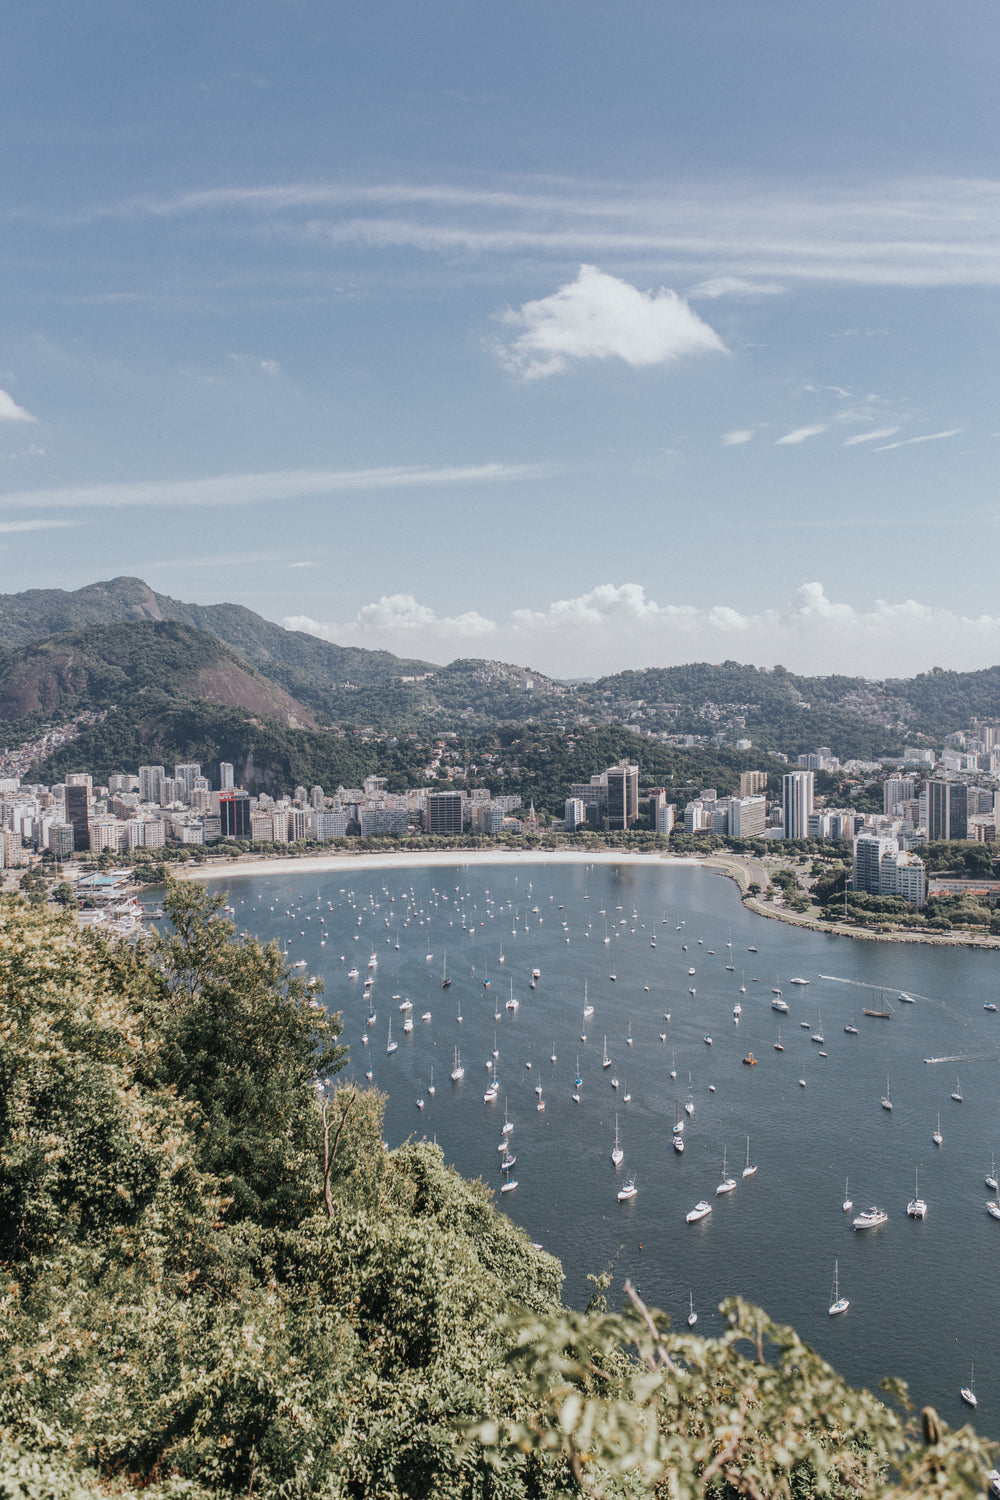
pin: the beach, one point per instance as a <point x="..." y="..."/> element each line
<point x="420" y="859"/>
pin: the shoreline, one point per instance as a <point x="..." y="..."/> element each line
<point x="731" y="867"/>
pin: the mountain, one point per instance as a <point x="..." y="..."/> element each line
<point x="314" y="671"/>
<point x="108" y="666"/>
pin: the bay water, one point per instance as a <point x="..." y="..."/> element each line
<point x="625" y="937"/>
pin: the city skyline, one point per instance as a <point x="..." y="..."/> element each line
<point x="586" y="342"/>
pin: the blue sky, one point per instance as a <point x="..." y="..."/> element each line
<point x="578" y="335"/>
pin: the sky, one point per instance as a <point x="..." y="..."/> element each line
<point x="577" y="335"/>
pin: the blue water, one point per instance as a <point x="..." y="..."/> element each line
<point x="921" y="1308"/>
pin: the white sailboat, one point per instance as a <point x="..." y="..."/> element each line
<point x="991" y="1181"/>
<point x="957" y="1091"/>
<point x="457" y="1071"/>
<point x="968" y="1392"/>
<point x="848" y="1202"/>
<point x="692" y="1315"/>
<point x="390" y="1045"/>
<point x="727" y="1184"/>
<point x="887" y="1097"/>
<point x="936" y="1135"/>
<point x="588" y="1009"/>
<point x="917" y="1207"/>
<point x="605" y="1060"/>
<point x="750" y="1169"/>
<point x="838" y="1304"/>
<point x="617" y="1155"/>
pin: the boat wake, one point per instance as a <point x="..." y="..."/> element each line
<point x="966" y="1057"/>
<point x="866" y="984"/>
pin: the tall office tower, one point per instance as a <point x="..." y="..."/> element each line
<point x="444" y="812"/>
<point x="947" y="810"/>
<point x="797" y="803"/>
<point x="150" y="778"/>
<point x="226" y="781"/>
<point x="623" y="795"/>
<point x="76" y="814"/>
<point x="317" y="798"/>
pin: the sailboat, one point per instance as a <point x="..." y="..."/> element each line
<point x="957" y="1092"/>
<point x="936" y="1135"/>
<point x="887" y="1097"/>
<point x="883" y="1013"/>
<point x="848" y="1202"/>
<point x="852" y="1029"/>
<point x="390" y="1045"/>
<point x="991" y="1181"/>
<point x="817" y="1035"/>
<point x="779" y="1045"/>
<point x="689" y="1103"/>
<point x="510" y="1184"/>
<point x="617" y="1155"/>
<point x="445" y="981"/>
<point x="457" y="1071"/>
<point x="431" y="1088"/>
<point x="749" y="1170"/>
<point x="588" y="1009"/>
<point x="727" y="1183"/>
<point x="917" y="1207"/>
<point x="968" y="1392"/>
<point x="692" y="1315"/>
<point x="605" y="1060"/>
<point x="838" y="1304"/>
<point x="673" y="1065"/>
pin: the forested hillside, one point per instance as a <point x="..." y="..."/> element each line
<point x="216" y="1281"/>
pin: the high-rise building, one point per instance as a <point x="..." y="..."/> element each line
<point x="76" y="814"/>
<point x="747" y="817"/>
<point x="796" y="803"/>
<point x="150" y="779"/>
<point x="897" y="789"/>
<point x="187" y="775"/>
<point x="317" y="798"/>
<point x="752" y="782"/>
<point x="869" y="851"/>
<point x="947" y="810"/>
<point x="226" y="781"/>
<point x="623" y="795"/>
<point x="443" y="814"/>
<point x="234" y="815"/>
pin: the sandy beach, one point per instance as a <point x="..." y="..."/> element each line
<point x="419" y="859"/>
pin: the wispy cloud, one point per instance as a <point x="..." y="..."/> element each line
<point x="257" y="489"/>
<point x="10" y="527"/>
<point x="597" y="316"/>
<point x="802" y="434"/>
<point x="617" y="626"/>
<point x="926" y="437"/>
<point x="869" y="437"/>
<point x="11" y="412"/>
<point x="737" y="436"/>
<point x="736" y="286"/>
<point x="742" y="239"/>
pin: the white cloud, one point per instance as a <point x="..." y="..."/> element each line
<point x="801" y="434"/>
<point x="869" y="437"/>
<point x="11" y="412"/>
<point x="927" y="437"/>
<point x="599" y="317"/>
<point x="740" y="435"/>
<point x="257" y="489"/>
<point x="617" y="626"/>
<point x="394" y="617"/>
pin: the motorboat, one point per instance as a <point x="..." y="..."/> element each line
<point x="701" y="1210"/>
<point x="871" y="1218"/>
<point x="629" y="1190"/>
<point x="797" y="980"/>
<point x="780" y="1005"/>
